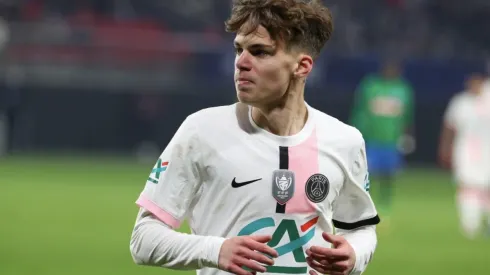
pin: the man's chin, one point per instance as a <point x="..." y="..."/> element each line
<point x="246" y="97"/>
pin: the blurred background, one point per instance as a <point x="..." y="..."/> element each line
<point x="91" y="91"/>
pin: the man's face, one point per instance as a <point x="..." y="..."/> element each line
<point x="263" y="68"/>
<point x="474" y="84"/>
<point x="391" y="70"/>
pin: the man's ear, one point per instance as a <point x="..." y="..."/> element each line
<point x="304" y="66"/>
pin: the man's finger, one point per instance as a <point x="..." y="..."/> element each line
<point x="333" y="239"/>
<point x="322" y="261"/>
<point x="251" y="265"/>
<point x="261" y="238"/>
<point x="257" y="256"/>
<point x="316" y="266"/>
<point x="335" y="254"/>
<point x="314" y="272"/>
<point x="261" y="247"/>
<point x="234" y="269"/>
<point x="322" y="269"/>
<point x="315" y="262"/>
<point x="340" y="266"/>
<point x="320" y="258"/>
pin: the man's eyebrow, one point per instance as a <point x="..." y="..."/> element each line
<point x="256" y="45"/>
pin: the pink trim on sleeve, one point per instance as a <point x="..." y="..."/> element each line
<point x="161" y="214"/>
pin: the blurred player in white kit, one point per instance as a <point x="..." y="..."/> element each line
<point x="465" y="148"/>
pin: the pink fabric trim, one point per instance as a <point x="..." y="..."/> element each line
<point x="161" y="214"/>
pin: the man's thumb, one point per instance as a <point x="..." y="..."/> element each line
<point x="331" y="238"/>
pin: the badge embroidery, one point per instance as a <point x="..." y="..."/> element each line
<point x="283" y="185"/>
<point x="317" y="188"/>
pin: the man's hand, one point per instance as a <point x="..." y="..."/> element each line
<point x="445" y="159"/>
<point x="338" y="260"/>
<point x="406" y="144"/>
<point x="238" y="253"/>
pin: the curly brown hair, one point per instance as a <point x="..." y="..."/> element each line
<point x="306" y="24"/>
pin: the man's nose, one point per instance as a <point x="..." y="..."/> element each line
<point x="243" y="61"/>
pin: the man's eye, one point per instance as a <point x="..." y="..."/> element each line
<point x="238" y="50"/>
<point x="260" y="53"/>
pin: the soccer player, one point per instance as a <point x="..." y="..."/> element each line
<point x="465" y="148"/>
<point x="268" y="184"/>
<point x="383" y="113"/>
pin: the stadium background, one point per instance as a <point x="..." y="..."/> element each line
<point x="97" y="88"/>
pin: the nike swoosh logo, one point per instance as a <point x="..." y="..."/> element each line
<point x="235" y="184"/>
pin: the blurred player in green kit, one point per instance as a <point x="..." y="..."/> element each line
<point x="383" y="113"/>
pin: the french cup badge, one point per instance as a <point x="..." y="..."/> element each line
<point x="283" y="185"/>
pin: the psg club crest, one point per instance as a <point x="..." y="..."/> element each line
<point x="283" y="185"/>
<point x="317" y="188"/>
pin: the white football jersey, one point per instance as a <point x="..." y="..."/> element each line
<point x="227" y="177"/>
<point x="469" y="116"/>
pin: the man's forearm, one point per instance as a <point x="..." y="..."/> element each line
<point x="446" y="142"/>
<point x="154" y="243"/>
<point x="363" y="241"/>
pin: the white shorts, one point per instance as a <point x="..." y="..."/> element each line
<point x="472" y="176"/>
<point x="470" y="168"/>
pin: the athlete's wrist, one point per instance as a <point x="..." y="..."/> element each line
<point x="211" y="248"/>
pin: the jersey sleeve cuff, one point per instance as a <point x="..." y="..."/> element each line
<point x="358" y="269"/>
<point x="363" y="243"/>
<point x="212" y="250"/>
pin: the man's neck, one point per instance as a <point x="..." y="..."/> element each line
<point x="284" y="119"/>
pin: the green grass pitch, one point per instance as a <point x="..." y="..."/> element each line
<point x="67" y="216"/>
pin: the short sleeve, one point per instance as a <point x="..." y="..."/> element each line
<point x="175" y="179"/>
<point x="354" y="206"/>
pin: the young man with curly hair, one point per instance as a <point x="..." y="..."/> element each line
<point x="269" y="184"/>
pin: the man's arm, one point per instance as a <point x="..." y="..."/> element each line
<point x="350" y="254"/>
<point x="171" y="187"/>
<point x="448" y="133"/>
<point x="446" y="145"/>
<point x="363" y="241"/>
<point x="354" y="217"/>
<point x="174" y="183"/>
<point x="154" y="243"/>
